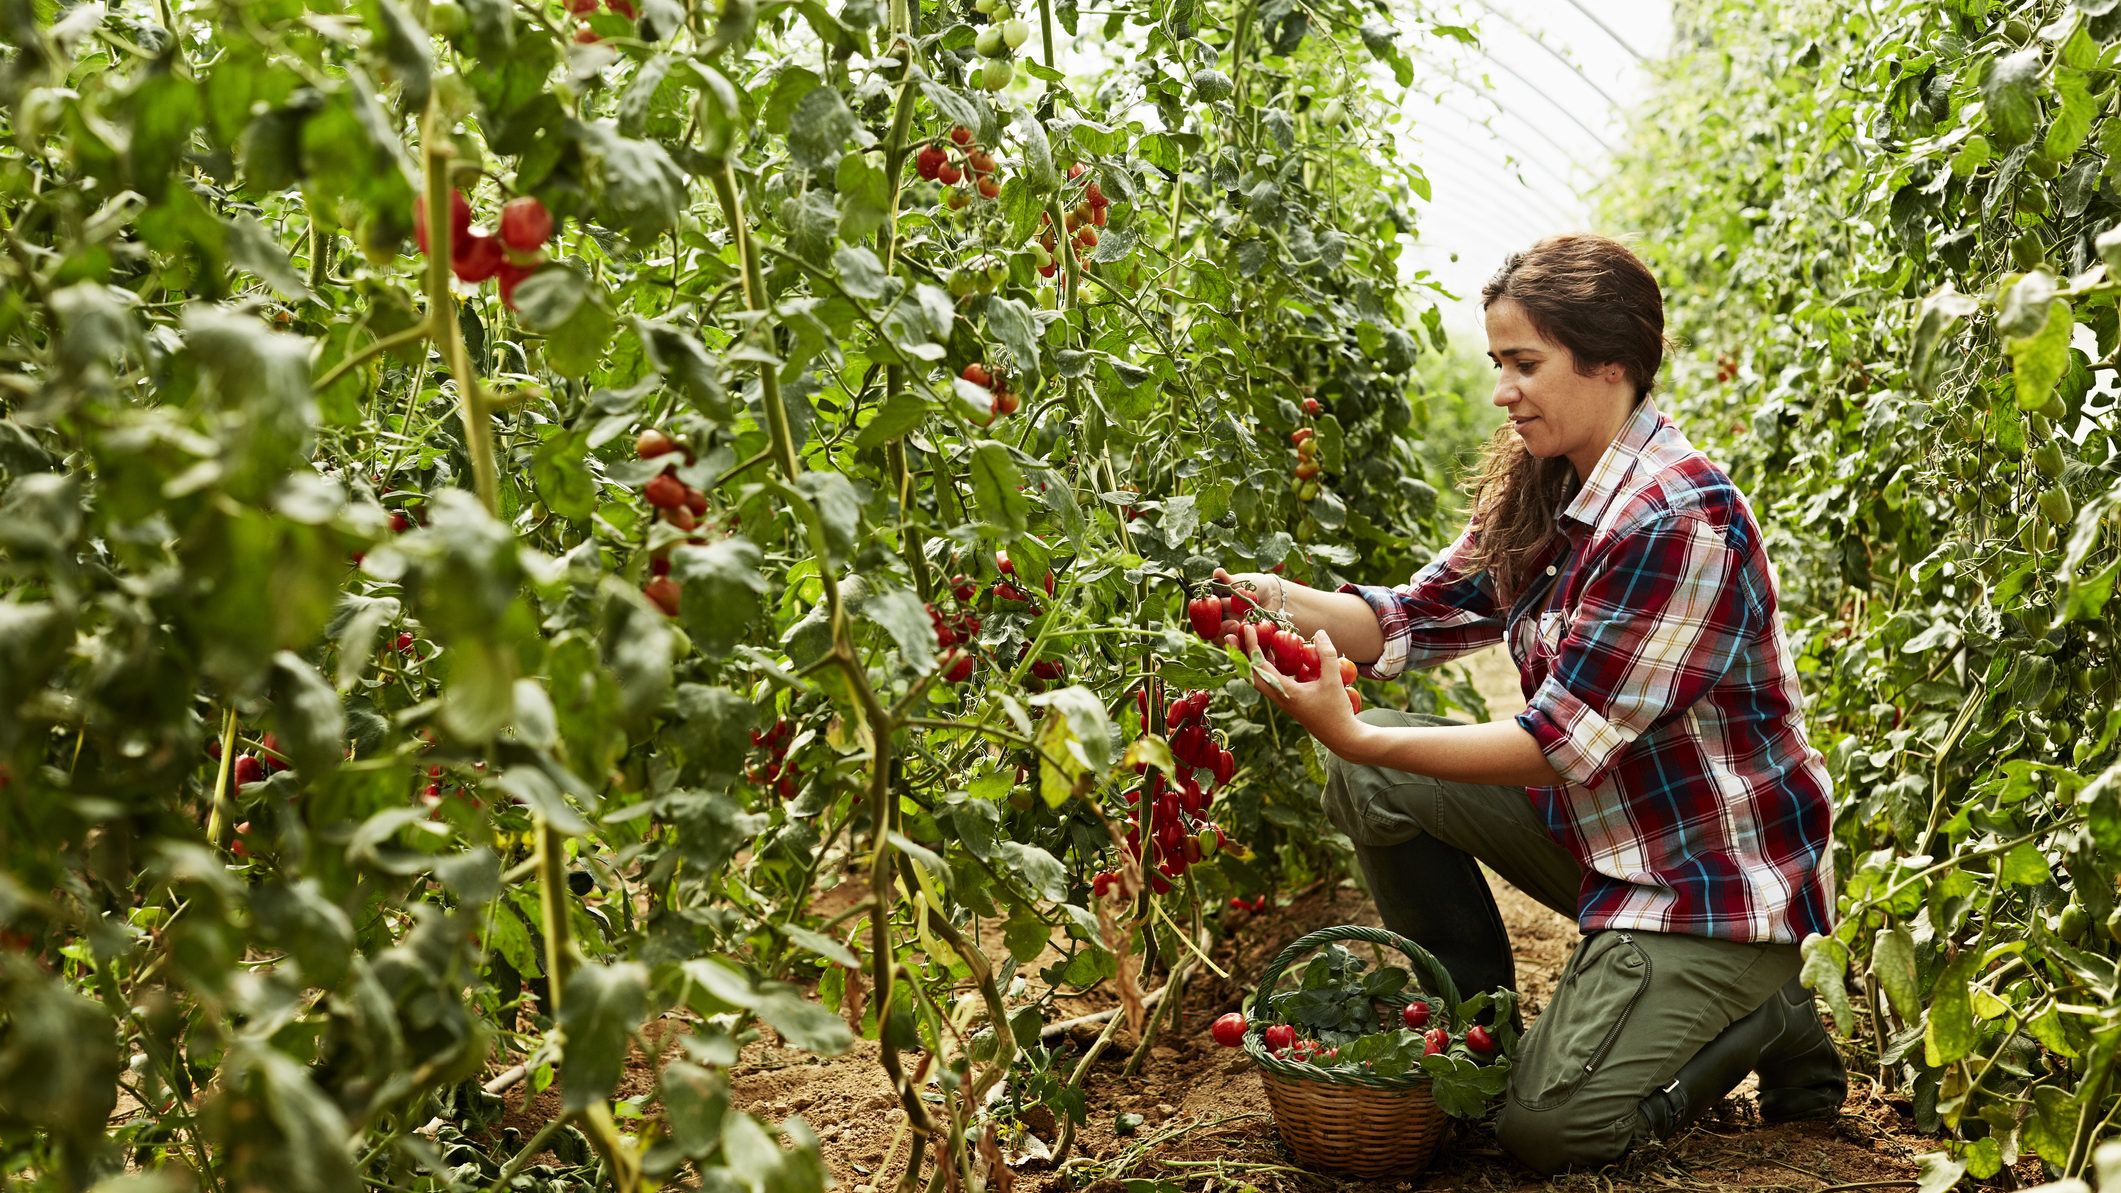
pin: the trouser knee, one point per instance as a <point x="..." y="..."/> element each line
<point x="1353" y="790"/>
<point x="1548" y="1141"/>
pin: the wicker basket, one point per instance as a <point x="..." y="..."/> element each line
<point x="1355" y="1122"/>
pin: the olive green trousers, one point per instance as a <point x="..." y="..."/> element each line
<point x="1631" y="1006"/>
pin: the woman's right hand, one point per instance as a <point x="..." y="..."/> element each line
<point x="1265" y="588"/>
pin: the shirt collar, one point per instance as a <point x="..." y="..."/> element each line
<point x="1621" y="457"/>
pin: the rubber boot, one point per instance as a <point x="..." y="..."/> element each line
<point x="1714" y="1071"/>
<point x="1801" y="1074"/>
<point x="1434" y="895"/>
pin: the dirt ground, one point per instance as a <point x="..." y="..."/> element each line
<point x="1205" y="1122"/>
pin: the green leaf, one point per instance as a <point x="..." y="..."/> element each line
<point x="996" y="485"/>
<point x="1037" y="869"/>
<point x="820" y="126"/>
<point x="551" y="295"/>
<point x="1949" y="1033"/>
<point x="2011" y="97"/>
<point x="2037" y="338"/>
<point x="1938" y="1172"/>
<point x="805" y="1024"/>
<point x="297" y="918"/>
<point x="1826" y="965"/>
<point x="253" y="249"/>
<point x="1893" y="963"/>
<point x="905" y="618"/>
<point x="1942" y="311"/>
<point x="1039" y="172"/>
<point x="640" y="190"/>
<point x="900" y="413"/>
<point x="864" y="195"/>
<point x="2023" y="866"/>
<point x="306" y="711"/>
<point x="599" y="1007"/>
<point x="722" y="587"/>
<point x="559" y="470"/>
<point x="2073" y="116"/>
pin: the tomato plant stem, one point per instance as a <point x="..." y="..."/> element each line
<point x="217" y="817"/>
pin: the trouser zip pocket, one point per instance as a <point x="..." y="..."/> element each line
<point x="1612" y="1037"/>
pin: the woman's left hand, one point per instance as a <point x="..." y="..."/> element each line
<point x="1320" y="706"/>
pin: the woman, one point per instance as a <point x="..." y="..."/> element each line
<point x="1658" y="788"/>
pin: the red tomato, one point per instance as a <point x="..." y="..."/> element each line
<point x="1478" y="1039"/>
<point x="1415" y="1015"/>
<point x="1229" y="1031"/>
<point x="1435" y="1040"/>
<point x="1280" y="1036"/>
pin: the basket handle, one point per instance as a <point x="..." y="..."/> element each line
<point x="1427" y="969"/>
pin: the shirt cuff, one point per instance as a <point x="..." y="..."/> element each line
<point x="1581" y="745"/>
<point x="1385" y="603"/>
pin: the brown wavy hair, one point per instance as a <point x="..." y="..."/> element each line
<point x="1594" y="297"/>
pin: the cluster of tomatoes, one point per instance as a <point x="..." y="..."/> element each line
<point x="934" y="163"/>
<point x="777" y="774"/>
<point x="431" y="794"/>
<point x="995" y="382"/>
<point x="1081" y="222"/>
<point x="675" y="502"/>
<point x="511" y="253"/>
<point x="1179" y="830"/>
<point x="1215" y="618"/>
<point x="1282" y="1040"/>
<point x="1004" y="34"/>
<point x="582" y="8"/>
<point x="1305" y="441"/>
<point x="952" y="632"/>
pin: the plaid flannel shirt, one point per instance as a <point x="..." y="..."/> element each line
<point x="1660" y="686"/>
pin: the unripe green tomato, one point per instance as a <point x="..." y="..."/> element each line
<point x="1015" y="32"/>
<point x="2041" y="166"/>
<point x="989" y="42"/>
<point x="995" y="74"/>
<point x="2029" y="536"/>
<point x="2054" y="408"/>
<point x="2056" y="505"/>
<point x="1307" y="491"/>
<point x="2032" y="200"/>
<point x="2074" y="920"/>
<point x="997" y="271"/>
<point x="2027" y="253"/>
<point x="1333" y="113"/>
<point x="1205" y="838"/>
<point x="2113" y="925"/>
<point x="2017" y="31"/>
<point x="1021" y="800"/>
<point x="2080" y="681"/>
<point x="445" y="18"/>
<point x="2047" y="460"/>
<point x="1040" y="257"/>
<point x="961" y="283"/>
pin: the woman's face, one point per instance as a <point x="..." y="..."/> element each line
<point x="1556" y="410"/>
